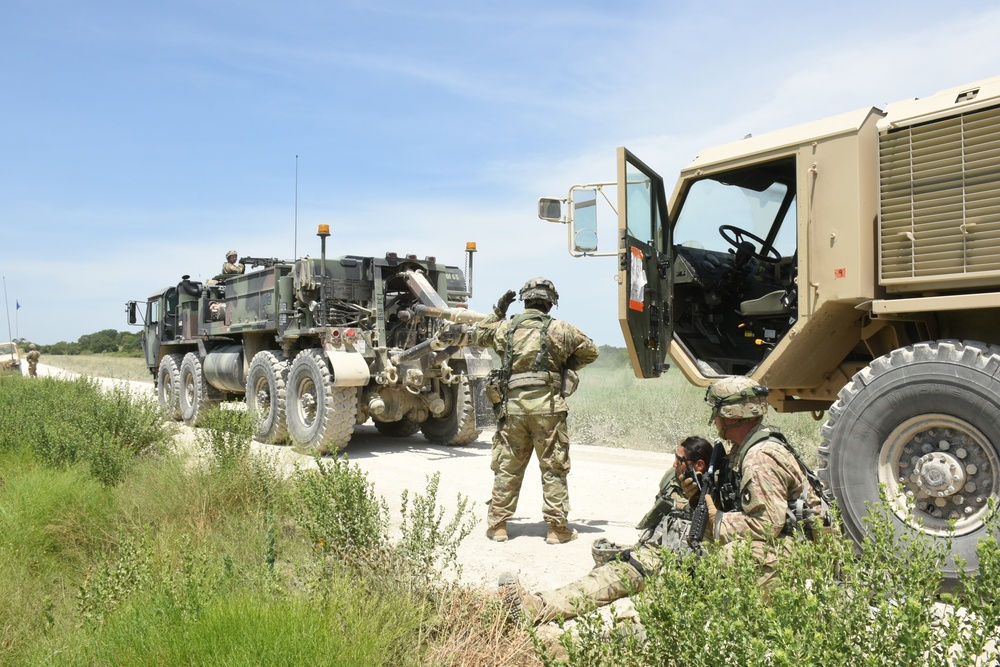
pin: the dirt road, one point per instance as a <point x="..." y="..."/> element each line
<point x="610" y="490"/>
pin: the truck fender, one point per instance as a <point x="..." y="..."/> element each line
<point x="349" y="367"/>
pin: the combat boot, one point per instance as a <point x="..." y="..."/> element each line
<point x="497" y="533"/>
<point x="522" y="606"/>
<point x="560" y="534"/>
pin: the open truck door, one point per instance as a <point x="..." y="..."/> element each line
<point x="644" y="269"/>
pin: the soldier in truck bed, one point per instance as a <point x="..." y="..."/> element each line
<point x="232" y="266"/>
<point x="538" y="352"/>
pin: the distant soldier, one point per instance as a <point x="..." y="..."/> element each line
<point x="232" y="266"/>
<point x="540" y="356"/>
<point x="33" y="357"/>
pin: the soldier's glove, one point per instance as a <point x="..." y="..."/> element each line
<point x="504" y="303"/>
<point x="712" y="511"/>
<point x="689" y="488"/>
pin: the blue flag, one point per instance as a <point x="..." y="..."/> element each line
<point x="18" y="304"/>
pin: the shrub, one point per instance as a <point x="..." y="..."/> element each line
<point x="340" y="511"/>
<point x="828" y="606"/>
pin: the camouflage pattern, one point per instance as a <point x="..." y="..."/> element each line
<point x="231" y="266"/>
<point x="769" y="478"/>
<point x="737" y="397"/>
<point x="535" y="416"/>
<point x="33" y="356"/>
<point x="540" y="288"/>
<point x="358" y="315"/>
<point x="568" y="348"/>
<point x="513" y="443"/>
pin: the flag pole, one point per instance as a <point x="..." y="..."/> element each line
<point x="6" y="306"/>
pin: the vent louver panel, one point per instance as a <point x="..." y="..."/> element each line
<point x="939" y="187"/>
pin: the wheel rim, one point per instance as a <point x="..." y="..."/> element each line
<point x="262" y="396"/>
<point x="189" y="389"/>
<point x="306" y="405"/>
<point x="945" y="467"/>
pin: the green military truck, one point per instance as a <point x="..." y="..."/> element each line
<point x="853" y="266"/>
<point x="318" y="345"/>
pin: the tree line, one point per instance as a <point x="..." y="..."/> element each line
<point x="107" y="341"/>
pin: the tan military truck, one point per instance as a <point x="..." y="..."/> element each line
<point x="853" y="266"/>
<point x="10" y="358"/>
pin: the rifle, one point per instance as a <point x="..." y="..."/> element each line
<point x="699" y="519"/>
<point x="266" y="262"/>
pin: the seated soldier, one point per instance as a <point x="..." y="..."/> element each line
<point x="666" y="525"/>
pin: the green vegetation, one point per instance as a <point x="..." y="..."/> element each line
<point x="107" y="341"/>
<point x="613" y="408"/>
<point x="828" y="606"/>
<point x="116" y="550"/>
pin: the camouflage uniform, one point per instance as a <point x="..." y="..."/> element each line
<point x="33" y="356"/>
<point x="231" y="266"/>
<point x="534" y="412"/>
<point x="620" y="577"/>
<point x="768" y="475"/>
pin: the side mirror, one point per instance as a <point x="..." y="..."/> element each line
<point x="550" y="209"/>
<point x="132" y="316"/>
<point x="585" y="221"/>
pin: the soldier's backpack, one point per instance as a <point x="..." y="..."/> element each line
<point x="800" y="519"/>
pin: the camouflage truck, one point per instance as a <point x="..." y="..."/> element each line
<point x="10" y="359"/>
<point x="853" y="266"/>
<point x="319" y="345"/>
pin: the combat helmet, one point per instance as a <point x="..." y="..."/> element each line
<point x="542" y="289"/>
<point x="737" y="397"/>
<point x="31" y="346"/>
<point x="604" y="551"/>
<point x="231" y="253"/>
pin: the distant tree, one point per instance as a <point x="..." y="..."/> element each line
<point x="101" y="341"/>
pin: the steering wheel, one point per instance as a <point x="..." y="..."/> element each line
<point x="735" y="237"/>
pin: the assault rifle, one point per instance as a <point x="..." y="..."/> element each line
<point x="699" y="519"/>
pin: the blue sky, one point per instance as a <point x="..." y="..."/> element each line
<point x="139" y="141"/>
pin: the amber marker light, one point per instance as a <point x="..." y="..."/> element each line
<point x="324" y="230"/>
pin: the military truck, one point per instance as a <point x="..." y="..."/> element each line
<point x="10" y="359"/>
<point x="319" y="345"/>
<point x="852" y="265"/>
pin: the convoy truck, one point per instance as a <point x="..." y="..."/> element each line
<point x="852" y="265"/>
<point x="316" y="346"/>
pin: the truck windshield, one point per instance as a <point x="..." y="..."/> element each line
<point x="712" y="203"/>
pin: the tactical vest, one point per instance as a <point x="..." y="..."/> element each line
<point x="503" y="379"/>
<point x="800" y="519"/>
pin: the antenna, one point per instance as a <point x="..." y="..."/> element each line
<point x="6" y="305"/>
<point x="295" y="242"/>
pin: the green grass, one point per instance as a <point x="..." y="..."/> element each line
<point x="101" y="365"/>
<point x="168" y="562"/>
<point x="613" y="408"/>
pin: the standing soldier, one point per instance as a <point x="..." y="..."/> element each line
<point x="540" y="356"/>
<point x="32" y="358"/>
<point x="231" y="266"/>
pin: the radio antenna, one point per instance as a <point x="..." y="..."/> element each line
<point x="295" y="242"/>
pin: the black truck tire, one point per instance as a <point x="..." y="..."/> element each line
<point x="924" y="419"/>
<point x="168" y="385"/>
<point x="266" y="395"/>
<point x="402" y="428"/>
<point x="320" y="416"/>
<point x="458" y="425"/>
<point x="196" y="395"/>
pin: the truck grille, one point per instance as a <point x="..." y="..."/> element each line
<point x="939" y="192"/>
